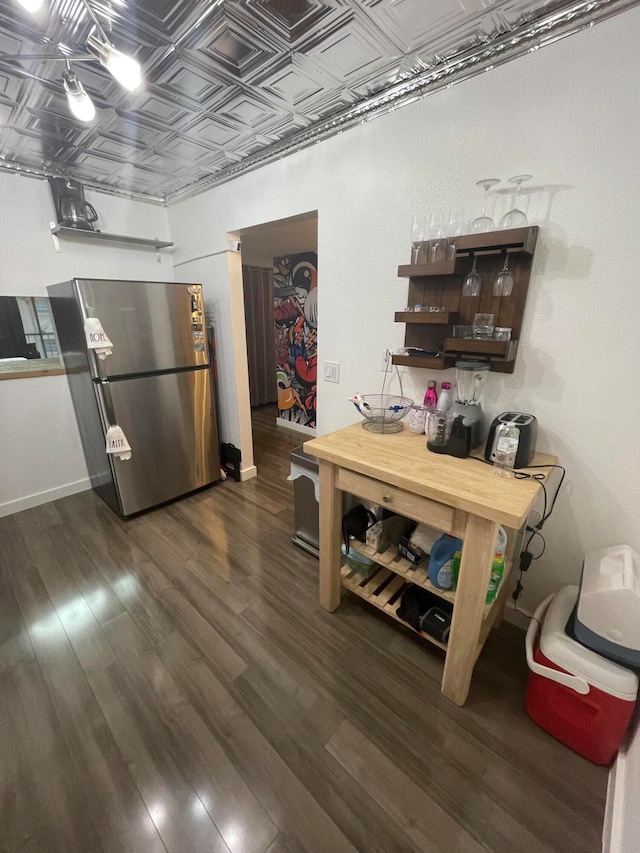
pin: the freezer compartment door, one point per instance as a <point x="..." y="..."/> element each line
<point x="170" y="423"/>
<point x="153" y="326"/>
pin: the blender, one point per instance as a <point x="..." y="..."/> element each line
<point x="471" y="377"/>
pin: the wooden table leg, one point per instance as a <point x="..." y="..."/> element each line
<point x="330" y="536"/>
<point x="475" y="572"/>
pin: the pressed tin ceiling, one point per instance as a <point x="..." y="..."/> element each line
<point x="232" y="84"/>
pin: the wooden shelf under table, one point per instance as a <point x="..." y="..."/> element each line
<point x="391" y="559"/>
<point x="383" y="590"/>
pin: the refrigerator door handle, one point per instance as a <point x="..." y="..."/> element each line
<point x="105" y="401"/>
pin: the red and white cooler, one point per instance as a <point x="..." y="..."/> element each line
<point x="579" y="697"/>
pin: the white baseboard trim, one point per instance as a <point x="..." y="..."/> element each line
<point x="248" y="473"/>
<point x="621" y="817"/>
<point x="11" y="507"/>
<point x="516" y="617"/>
<point x="296" y="427"/>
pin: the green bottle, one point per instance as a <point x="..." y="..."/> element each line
<point x="497" y="571"/>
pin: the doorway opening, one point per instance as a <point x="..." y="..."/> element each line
<point x="280" y="280"/>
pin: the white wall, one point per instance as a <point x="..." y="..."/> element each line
<point x="41" y="457"/>
<point x="622" y="816"/>
<point x="568" y="114"/>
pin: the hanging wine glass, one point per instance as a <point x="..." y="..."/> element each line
<point x="484" y="222"/>
<point x="473" y="282"/>
<point x="418" y="236"/>
<point x="516" y="218"/>
<point x="503" y="285"/>
<point x="453" y="231"/>
<point x="436" y="238"/>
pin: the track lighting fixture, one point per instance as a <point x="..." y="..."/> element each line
<point x="125" y="69"/>
<point x="80" y="103"/>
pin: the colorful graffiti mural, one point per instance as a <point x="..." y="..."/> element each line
<point x="295" y="291"/>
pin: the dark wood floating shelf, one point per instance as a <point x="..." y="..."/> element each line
<point x="490" y="242"/>
<point x="409" y="270"/>
<point x="505" y="349"/>
<point x="421" y="361"/>
<point x="434" y="318"/>
<point x="441" y="284"/>
<point x="64" y="231"/>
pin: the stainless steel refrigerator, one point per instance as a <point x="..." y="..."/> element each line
<point x="156" y="385"/>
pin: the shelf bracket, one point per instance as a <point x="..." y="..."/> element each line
<point x="54" y="237"/>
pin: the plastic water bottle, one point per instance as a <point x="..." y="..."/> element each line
<point x="507" y="439"/>
<point x="441" y="561"/>
<point x="430" y="398"/>
<point x="445" y="400"/>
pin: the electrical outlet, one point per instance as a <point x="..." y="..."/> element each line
<point x="332" y="371"/>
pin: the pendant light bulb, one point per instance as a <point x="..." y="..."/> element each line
<point x="80" y="103"/>
<point x="125" y="69"/>
<point x="31" y="5"/>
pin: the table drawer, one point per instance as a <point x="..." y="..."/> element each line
<point x="438" y="515"/>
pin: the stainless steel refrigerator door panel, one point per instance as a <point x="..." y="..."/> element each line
<point x="170" y="424"/>
<point x="151" y="325"/>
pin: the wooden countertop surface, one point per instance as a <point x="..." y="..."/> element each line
<point x="402" y="460"/>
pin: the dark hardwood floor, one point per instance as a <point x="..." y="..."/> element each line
<point x="169" y="683"/>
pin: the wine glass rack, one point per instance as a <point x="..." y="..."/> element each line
<point x="440" y="284"/>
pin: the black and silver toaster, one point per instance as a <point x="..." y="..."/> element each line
<point x="528" y="428"/>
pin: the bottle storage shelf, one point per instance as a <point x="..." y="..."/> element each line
<point x="393" y="561"/>
<point x="384" y="591"/>
<point x="385" y="587"/>
<point x="441" y="285"/>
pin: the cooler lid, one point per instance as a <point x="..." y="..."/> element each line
<point x="609" y="602"/>
<point x="558" y="647"/>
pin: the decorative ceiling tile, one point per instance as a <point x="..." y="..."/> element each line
<point x="184" y="81"/>
<point x="10" y="84"/>
<point x="233" y="48"/>
<point x="118" y="150"/>
<point x="6" y="113"/>
<point x="247" y="110"/>
<point x="159" y="110"/>
<point x="231" y="84"/>
<point x="291" y="20"/>
<point x="212" y="132"/>
<point x="291" y="84"/>
<point x="412" y="23"/>
<point x="126" y="129"/>
<point x="184" y="149"/>
<point x="348" y="54"/>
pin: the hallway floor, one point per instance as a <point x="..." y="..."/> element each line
<point x="170" y="683"/>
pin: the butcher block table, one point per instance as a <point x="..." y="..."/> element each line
<point x="462" y="497"/>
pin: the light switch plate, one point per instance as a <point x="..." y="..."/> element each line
<point x="332" y="371"/>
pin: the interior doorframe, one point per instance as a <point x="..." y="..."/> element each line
<point x="239" y="332"/>
<point x="241" y="363"/>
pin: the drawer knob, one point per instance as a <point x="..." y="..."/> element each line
<point x="386" y="499"/>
